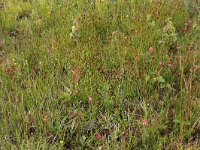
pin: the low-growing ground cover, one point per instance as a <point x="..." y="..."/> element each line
<point x="104" y="74"/>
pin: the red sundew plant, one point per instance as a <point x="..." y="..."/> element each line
<point x="137" y="31"/>
<point x="151" y="50"/>
<point x="72" y="114"/>
<point x="169" y="64"/>
<point x="161" y="63"/>
<point x="145" y="122"/>
<point x="76" y="70"/>
<point x="98" y="135"/>
<point x="190" y="47"/>
<point x="90" y="98"/>
<point x="75" y="78"/>
<point x="10" y="70"/>
<point x="76" y="73"/>
<point x="136" y="58"/>
<point x="187" y="26"/>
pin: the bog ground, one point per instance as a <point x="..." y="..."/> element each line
<point x="104" y="74"/>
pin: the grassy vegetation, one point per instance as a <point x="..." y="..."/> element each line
<point x="104" y="74"/>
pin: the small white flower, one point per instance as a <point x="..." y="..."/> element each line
<point x="74" y="29"/>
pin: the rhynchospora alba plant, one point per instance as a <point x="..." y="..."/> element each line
<point x="168" y="35"/>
